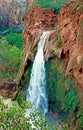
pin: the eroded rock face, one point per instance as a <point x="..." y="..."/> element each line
<point x="11" y="12"/>
<point x="71" y="32"/>
<point x="66" y="26"/>
<point x="8" y="89"/>
<point x="36" y="20"/>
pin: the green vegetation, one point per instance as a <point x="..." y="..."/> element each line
<point x="15" y="39"/>
<point x="10" y="52"/>
<point x="13" y="118"/>
<point x="21" y="96"/>
<point x="4" y="75"/>
<point x="45" y="3"/>
<point x="56" y="4"/>
<point x="26" y="79"/>
<point x="10" y="59"/>
<point x="0" y="36"/>
<point x="6" y="31"/>
<point x="80" y="118"/>
<point x="58" y="43"/>
<point x="62" y="94"/>
<point x="61" y="91"/>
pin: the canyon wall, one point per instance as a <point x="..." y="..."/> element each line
<point x="65" y="28"/>
<point x="11" y="12"/>
<point x="63" y="53"/>
<point x="70" y="22"/>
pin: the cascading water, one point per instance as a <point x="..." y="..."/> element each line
<point x="37" y="87"/>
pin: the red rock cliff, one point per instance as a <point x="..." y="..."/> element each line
<point x="70" y="22"/>
<point x="67" y="26"/>
<point x="36" y="20"/>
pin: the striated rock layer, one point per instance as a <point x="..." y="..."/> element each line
<point x="70" y="22"/>
<point x="11" y="12"/>
<point x="66" y="27"/>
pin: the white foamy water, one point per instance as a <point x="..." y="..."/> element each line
<point x="36" y="92"/>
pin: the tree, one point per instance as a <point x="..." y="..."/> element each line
<point x="15" y="39"/>
<point x="10" y="57"/>
<point x="56" y="4"/>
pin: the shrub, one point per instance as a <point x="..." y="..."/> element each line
<point x="71" y="99"/>
<point x="62" y="94"/>
<point x="58" y="43"/>
<point x="56" y="4"/>
<point x="45" y="3"/>
<point x="6" y="31"/>
<point x="14" y="119"/>
<point x="0" y="36"/>
<point x="15" y="39"/>
<point x="4" y="75"/>
<point x="16" y="31"/>
<point x="80" y="118"/>
<point x="10" y="59"/>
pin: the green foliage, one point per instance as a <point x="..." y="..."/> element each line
<point x="14" y="119"/>
<point x="64" y="125"/>
<point x="45" y="3"/>
<point x="61" y="91"/>
<point x="10" y="59"/>
<point x="66" y="95"/>
<point x="71" y="99"/>
<point x="58" y="43"/>
<point x="56" y="4"/>
<point x="4" y="75"/>
<point x="20" y="98"/>
<point x="6" y="31"/>
<point x="2" y="29"/>
<point x="15" y="31"/>
<point x="0" y="36"/>
<point x="59" y="3"/>
<point x="15" y="39"/>
<point x="25" y="81"/>
<point x="80" y="118"/>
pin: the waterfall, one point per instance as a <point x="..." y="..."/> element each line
<point x="36" y="92"/>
